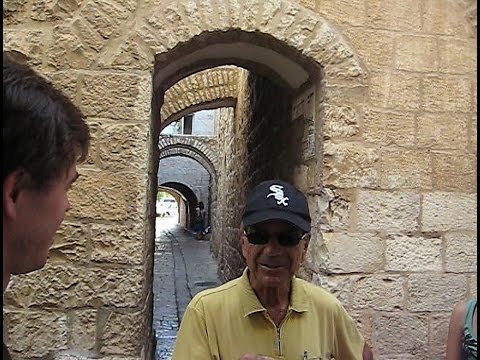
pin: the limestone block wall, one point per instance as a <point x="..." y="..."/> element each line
<point x="93" y="298"/>
<point x="204" y="123"/>
<point x="399" y="189"/>
<point x="392" y="185"/>
<point x="230" y="188"/>
<point x="232" y="181"/>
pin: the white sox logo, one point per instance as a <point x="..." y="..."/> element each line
<point x="277" y="192"/>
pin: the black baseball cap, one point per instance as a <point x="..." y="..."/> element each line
<point x="277" y="200"/>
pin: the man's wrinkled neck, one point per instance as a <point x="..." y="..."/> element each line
<point x="271" y="297"/>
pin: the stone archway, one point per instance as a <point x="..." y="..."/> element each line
<point x="201" y="152"/>
<point x="187" y="195"/>
<point x="202" y="149"/>
<point x="182" y="189"/>
<point x="288" y="22"/>
<point x="208" y="89"/>
<point x="190" y="153"/>
<point x="295" y="34"/>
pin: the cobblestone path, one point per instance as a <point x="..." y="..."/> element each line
<point x="183" y="267"/>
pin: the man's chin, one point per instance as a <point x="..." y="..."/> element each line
<point x="274" y="278"/>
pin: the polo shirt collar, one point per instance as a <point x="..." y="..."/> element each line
<point x="250" y="303"/>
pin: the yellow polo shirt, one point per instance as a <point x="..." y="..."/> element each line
<point x="229" y="321"/>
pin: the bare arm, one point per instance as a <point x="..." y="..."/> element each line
<point x="455" y="330"/>
<point x="367" y="352"/>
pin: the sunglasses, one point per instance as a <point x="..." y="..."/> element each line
<point x="260" y="237"/>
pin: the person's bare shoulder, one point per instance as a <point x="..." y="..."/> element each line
<point x="459" y="309"/>
<point x="455" y="330"/>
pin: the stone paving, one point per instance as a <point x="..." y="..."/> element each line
<point x="183" y="267"/>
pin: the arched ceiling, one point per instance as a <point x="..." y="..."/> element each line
<point x="242" y="54"/>
<point x="184" y="190"/>
<point x="207" y="89"/>
<point x="257" y="52"/>
<point x="175" y="193"/>
<point x="203" y="150"/>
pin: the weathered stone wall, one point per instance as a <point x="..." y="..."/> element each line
<point x="392" y="185"/>
<point x="400" y="175"/>
<point x="203" y="123"/>
<point x="93" y="297"/>
<point x="232" y="181"/>
<point x="231" y="186"/>
<point x="268" y="132"/>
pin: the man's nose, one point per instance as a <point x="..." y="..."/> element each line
<point x="273" y="247"/>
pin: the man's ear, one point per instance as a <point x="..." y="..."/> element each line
<point x="307" y="241"/>
<point x="243" y="239"/>
<point x="12" y="185"/>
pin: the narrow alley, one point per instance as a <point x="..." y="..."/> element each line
<point x="183" y="267"/>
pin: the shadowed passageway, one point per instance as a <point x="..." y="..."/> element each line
<point x="183" y="267"/>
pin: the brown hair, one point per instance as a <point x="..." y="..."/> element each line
<point x="43" y="131"/>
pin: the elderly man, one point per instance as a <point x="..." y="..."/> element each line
<point x="268" y="313"/>
<point x="44" y="135"/>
